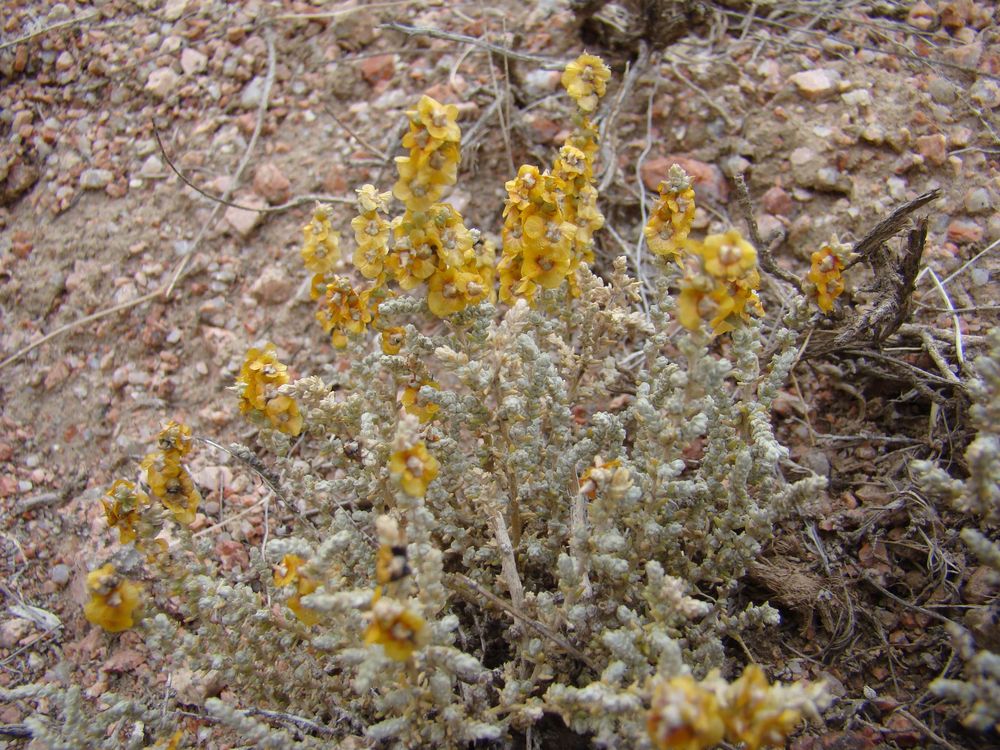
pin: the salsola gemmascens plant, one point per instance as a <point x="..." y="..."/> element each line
<point x="528" y="495"/>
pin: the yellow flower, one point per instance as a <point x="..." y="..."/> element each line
<point x="303" y="585"/>
<point x="684" y="715"/>
<point x="689" y="715"/>
<point x="175" y="438"/>
<point x="670" y="224"/>
<point x="344" y="310"/>
<point x="372" y="235"/>
<point x="392" y="340"/>
<point x="826" y="281"/>
<point x="322" y="245"/>
<point x="123" y="510"/>
<point x="172" y="485"/>
<point x="439" y="119"/>
<point x="414" y="258"/>
<point x="284" y="415"/>
<point x="451" y="290"/>
<point x="728" y="256"/>
<point x="260" y="376"/>
<point x="416" y="404"/>
<point x="585" y="80"/>
<point x="398" y="629"/>
<point x="113" y="599"/>
<point x="371" y="201"/>
<point x="414" y="468"/>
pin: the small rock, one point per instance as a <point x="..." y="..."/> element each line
<point x="857" y="98"/>
<point x="897" y="188"/>
<point x="152" y="167"/>
<point x="709" y="182"/>
<point x="922" y="16"/>
<point x="193" y="62"/>
<point x="978" y="200"/>
<point x="270" y="182"/>
<point x="539" y="83"/>
<point x="378" y="68"/>
<point x="95" y="179"/>
<point x="174" y="9"/>
<point x="986" y="93"/>
<point x="964" y="231"/>
<point x="162" y="82"/>
<point x="776" y="201"/>
<point x="13" y="631"/>
<point x="833" y="180"/>
<point x="64" y="62"/>
<point x="734" y="164"/>
<point x="816" y="84"/>
<point x="252" y="93"/>
<point x="769" y="226"/>
<point x="242" y="220"/>
<point x="942" y="90"/>
<point x="934" y="148"/>
<point x="873" y="134"/>
<point x="60" y="574"/>
<point x="273" y="287"/>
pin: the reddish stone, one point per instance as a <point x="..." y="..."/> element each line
<point x="378" y="68"/>
<point x="776" y="201"/>
<point x="709" y="182"/>
<point x="964" y="231"/>
<point x="934" y="148"/>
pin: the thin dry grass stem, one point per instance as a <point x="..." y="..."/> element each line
<point x="235" y="177"/>
<point x="930" y="62"/>
<point x="371" y="149"/>
<point x="54" y="27"/>
<point x="501" y="115"/>
<point x="548" y="63"/>
<point x="637" y="252"/>
<point x="293" y="203"/>
<point x="254" y="465"/>
<point x="712" y="103"/>
<point x="80" y="322"/>
<point x="805" y="409"/>
<point x="916" y="607"/>
<point x="992" y="246"/>
<point x="344" y="11"/>
<point x="767" y="261"/>
<point x="931" y="347"/>
<point x="508" y="564"/>
<point x="925" y="729"/>
<point x="469" y="589"/>
<point x="634" y="71"/>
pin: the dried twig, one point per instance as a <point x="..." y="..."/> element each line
<point x="548" y="63"/>
<point x="763" y="250"/>
<point x="468" y="588"/>
<point x="54" y="27"/>
<point x="235" y="178"/>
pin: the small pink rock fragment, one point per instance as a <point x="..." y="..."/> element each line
<point x="964" y="231"/>
<point x="272" y="287"/>
<point x="378" y="68"/>
<point x="270" y="182"/>
<point x="776" y="201"/>
<point x="816" y="84"/>
<point x="922" y="16"/>
<point x="934" y="148"/>
<point x="242" y="220"/>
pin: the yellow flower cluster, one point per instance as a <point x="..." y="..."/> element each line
<point x="321" y="250"/>
<point x="585" y="80"/>
<point x="260" y="377"/>
<point x="690" y="715"/>
<point x="395" y="627"/>
<point x="304" y="584"/>
<point x="431" y="243"/>
<point x="550" y="217"/>
<point x="167" y="478"/>
<point x="825" y="280"/>
<point x="719" y="282"/>
<point x="670" y="223"/>
<point x="371" y="232"/>
<point x="345" y="310"/>
<point x="123" y="505"/>
<point x="113" y="599"/>
<point x="414" y="468"/>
